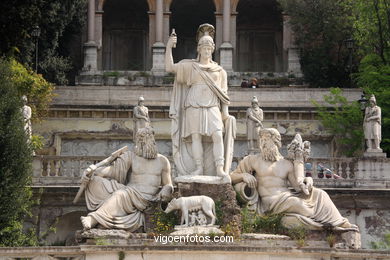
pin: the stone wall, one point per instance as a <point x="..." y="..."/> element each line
<point x="95" y="120"/>
<point x="86" y="123"/>
<point x="271" y="250"/>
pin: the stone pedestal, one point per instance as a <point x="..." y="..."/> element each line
<point x="197" y="230"/>
<point x="352" y="240"/>
<point x="90" y="59"/>
<point x="226" y="56"/>
<point x="158" y="59"/>
<point x="374" y="153"/>
<point x="293" y="64"/>
<point x="227" y="210"/>
<point x="97" y="236"/>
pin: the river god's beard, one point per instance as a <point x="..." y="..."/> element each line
<point x="146" y="148"/>
<point x="269" y="151"/>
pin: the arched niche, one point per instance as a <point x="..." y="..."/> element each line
<point x="259" y="33"/>
<point x="125" y="34"/>
<point x="186" y="16"/>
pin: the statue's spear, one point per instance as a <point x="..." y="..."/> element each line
<point x="89" y="171"/>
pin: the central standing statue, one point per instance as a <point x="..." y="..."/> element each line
<point x="199" y="111"/>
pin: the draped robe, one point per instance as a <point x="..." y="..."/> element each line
<point x="203" y="117"/>
<point x="323" y="211"/>
<point x="114" y="201"/>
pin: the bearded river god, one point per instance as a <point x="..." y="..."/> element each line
<point x="306" y="205"/>
<point x="199" y="111"/>
<point x="118" y="194"/>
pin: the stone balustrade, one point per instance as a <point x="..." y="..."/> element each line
<point x="61" y="170"/>
<point x="327" y="172"/>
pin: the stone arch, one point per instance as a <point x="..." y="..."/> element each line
<point x="259" y="32"/>
<point x="186" y="16"/>
<point x="151" y="4"/>
<point x="234" y="5"/>
<point x="125" y="34"/>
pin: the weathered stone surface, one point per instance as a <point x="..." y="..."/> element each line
<point x="201" y="179"/>
<point x="375" y="154"/>
<point x="352" y="240"/>
<point x="223" y="195"/>
<point x="256" y="236"/>
<point x="199" y="230"/>
<point x="126" y="95"/>
<point x="105" y="233"/>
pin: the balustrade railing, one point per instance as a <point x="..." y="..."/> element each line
<point x="326" y="172"/>
<point x="61" y="170"/>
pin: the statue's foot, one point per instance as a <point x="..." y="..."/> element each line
<point x="220" y="171"/>
<point x="226" y="179"/>
<point x="224" y="176"/>
<point x="88" y="222"/>
<point x="349" y="226"/>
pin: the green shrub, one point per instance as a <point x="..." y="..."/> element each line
<point x="344" y="120"/>
<point x="255" y="223"/>
<point x="15" y="163"/>
<point x="163" y="222"/>
<point x="383" y="244"/>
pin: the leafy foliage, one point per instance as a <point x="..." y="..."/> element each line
<point x="59" y="21"/>
<point x="15" y="163"/>
<point x="34" y="86"/>
<point x="320" y="28"/>
<point x="344" y="121"/>
<point x="371" y="23"/>
<point x="374" y="78"/>
<point x="269" y="223"/>
<point x="163" y="222"/>
<point x="383" y="244"/>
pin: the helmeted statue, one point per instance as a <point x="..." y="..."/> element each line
<point x="254" y="118"/>
<point x="372" y="126"/>
<point x="141" y="116"/>
<point x="199" y="111"/>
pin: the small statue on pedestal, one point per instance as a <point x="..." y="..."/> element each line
<point x="26" y="111"/>
<point x="254" y="116"/>
<point x="372" y="126"/>
<point x="141" y="117"/>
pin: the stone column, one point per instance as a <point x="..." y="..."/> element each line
<point x="166" y="32"/>
<point x="90" y="47"/>
<point x="159" y="47"/>
<point x="226" y="49"/>
<point x="218" y="36"/>
<point x="99" y="37"/>
<point x="290" y="50"/>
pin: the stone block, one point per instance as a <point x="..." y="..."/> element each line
<point x="352" y="240"/>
